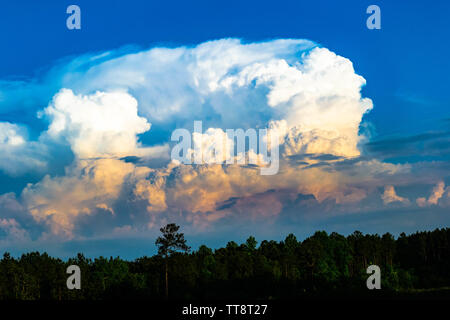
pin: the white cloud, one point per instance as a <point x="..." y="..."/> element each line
<point x="18" y="155"/>
<point x="226" y="83"/>
<point x="318" y="97"/>
<point x="11" y="134"/>
<point x="236" y="85"/>
<point x="97" y="125"/>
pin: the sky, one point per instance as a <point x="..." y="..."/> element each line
<point x="86" y="118"/>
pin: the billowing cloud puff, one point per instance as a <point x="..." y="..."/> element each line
<point x="203" y="192"/>
<point x="318" y="99"/>
<point x="230" y="84"/>
<point x="97" y="125"/>
<point x="17" y="154"/>
<point x="11" y="135"/>
<point x="87" y="186"/>
<point x="213" y="146"/>
<point x="216" y="146"/>
<point x="390" y="195"/>
<point x="436" y="194"/>
<point x="235" y="85"/>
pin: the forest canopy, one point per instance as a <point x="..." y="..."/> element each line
<point x="323" y="264"/>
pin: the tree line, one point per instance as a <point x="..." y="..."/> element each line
<point x="323" y="264"/>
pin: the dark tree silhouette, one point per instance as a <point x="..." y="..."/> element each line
<point x="415" y="265"/>
<point x="170" y="242"/>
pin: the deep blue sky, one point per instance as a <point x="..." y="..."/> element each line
<point x="405" y="63"/>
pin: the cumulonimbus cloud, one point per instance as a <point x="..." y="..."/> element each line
<point x="103" y="106"/>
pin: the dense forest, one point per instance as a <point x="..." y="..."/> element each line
<point x="320" y="265"/>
